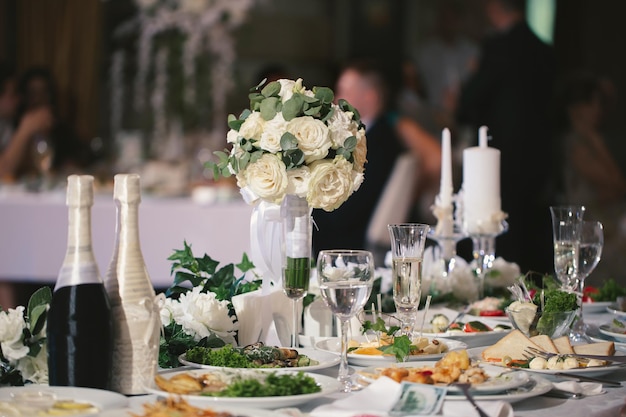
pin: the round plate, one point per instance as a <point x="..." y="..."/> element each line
<point x="595" y="335"/>
<point x="611" y="330"/>
<point x="473" y="339"/>
<point x="101" y="399"/>
<point x="535" y="387"/>
<point x="596" y="306"/>
<point x="499" y="379"/>
<point x="475" y="353"/>
<point x="325" y="359"/>
<point x="615" y="309"/>
<point x="333" y="344"/>
<point x="329" y="385"/>
<point x="236" y="411"/>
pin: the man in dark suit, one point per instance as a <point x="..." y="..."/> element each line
<point x="510" y="93"/>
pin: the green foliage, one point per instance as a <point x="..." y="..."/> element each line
<point x="557" y="301"/>
<point x="609" y="291"/>
<point x="401" y="346"/>
<point x="174" y="342"/>
<point x="227" y="356"/>
<point x="274" y="385"/>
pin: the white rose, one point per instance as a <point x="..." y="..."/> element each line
<point x="341" y="127"/>
<point x="267" y="178"/>
<point x="203" y="314"/>
<point x="286" y="89"/>
<point x="313" y="137"/>
<point x="12" y="325"/>
<point x="253" y="126"/>
<point x="273" y="131"/>
<point x="35" y="369"/>
<point x="298" y="181"/>
<point x="232" y="136"/>
<point x="330" y="183"/>
<point x="168" y="309"/>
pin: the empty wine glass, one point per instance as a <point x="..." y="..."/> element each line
<point x="566" y="225"/>
<point x="345" y="280"/>
<point x="407" y="254"/>
<point x="589" y="253"/>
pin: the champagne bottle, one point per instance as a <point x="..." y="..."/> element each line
<point x="136" y="319"/>
<point x="79" y="328"/>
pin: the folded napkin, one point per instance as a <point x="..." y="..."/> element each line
<point x="378" y="398"/>
<point x="585" y="388"/>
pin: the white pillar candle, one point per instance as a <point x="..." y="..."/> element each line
<point x="481" y="187"/>
<point x="445" y="191"/>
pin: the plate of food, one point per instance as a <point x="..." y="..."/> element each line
<point x="43" y="400"/>
<point x="616" y="329"/>
<point x="594" y="334"/>
<point x="259" y="356"/>
<point x="455" y="366"/>
<point x="173" y="405"/>
<point x="616" y="309"/>
<point x="364" y="350"/>
<point x="244" y="387"/>
<point x="512" y="352"/>
<point x="472" y="332"/>
<point x="594" y="307"/>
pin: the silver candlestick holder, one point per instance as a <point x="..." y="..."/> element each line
<point x="446" y="244"/>
<point x="484" y="252"/>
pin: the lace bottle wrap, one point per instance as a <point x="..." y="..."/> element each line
<point x="136" y="319"/>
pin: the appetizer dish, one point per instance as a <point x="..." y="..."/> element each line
<point x="252" y="356"/>
<point x="41" y="407"/>
<point x="488" y="307"/>
<point x="376" y="347"/>
<point x="179" y="407"/>
<point x="441" y="323"/>
<point x="512" y="351"/>
<point x="238" y="384"/>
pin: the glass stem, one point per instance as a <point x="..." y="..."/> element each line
<point x="344" y="377"/>
<point x="294" y="324"/>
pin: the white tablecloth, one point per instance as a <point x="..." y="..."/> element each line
<point x="33" y="233"/>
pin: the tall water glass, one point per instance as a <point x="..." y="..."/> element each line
<point x="407" y="253"/>
<point x="345" y="279"/>
<point x="589" y="254"/>
<point x="566" y="227"/>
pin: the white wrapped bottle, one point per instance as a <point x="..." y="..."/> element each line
<point x="136" y="320"/>
<point x="79" y="320"/>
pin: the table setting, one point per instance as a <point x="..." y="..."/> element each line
<point x="238" y="340"/>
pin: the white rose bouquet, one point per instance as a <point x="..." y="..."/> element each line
<point x="23" y="353"/>
<point x="295" y="141"/>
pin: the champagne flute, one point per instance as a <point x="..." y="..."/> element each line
<point x="345" y="279"/>
<point x="566" y="225"/>
<point x="589" y="253"/>
<point x="407" y="253"/>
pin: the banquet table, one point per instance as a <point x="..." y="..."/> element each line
<point x="607" y="404"/>
<point x="33" y="233"/>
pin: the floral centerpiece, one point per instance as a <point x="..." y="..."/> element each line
<point x="197" y="310"/>
<point x="23" y="353"/>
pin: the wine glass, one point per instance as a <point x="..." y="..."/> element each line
<point x="589" y="253"/>
<point x="407" y="254"/>
<point x="566" y="225"/>
<point x="42" y="157"/>
<point x="345" y="280"/>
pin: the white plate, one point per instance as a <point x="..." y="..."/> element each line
<point x="537" y="386"/>
<point x="473" y="339"/>
<point x="611" y="330"/>
<point x="595" y="306"/>
<point x="325" y="359"/>
<point x="615" y="309"/>
<point x="499" y="379"/>
<point x="333" y="345"/>
<point x="101" y="399"/>
<point x="328" y="385"/>
<point x="595" y="335"/>
<point x="236" y="411"/>
<point x="475" y="353"/>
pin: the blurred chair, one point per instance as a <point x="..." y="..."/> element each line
<point x="394" y="205"/>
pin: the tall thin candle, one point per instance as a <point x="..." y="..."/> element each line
<point x="445" y="192"/>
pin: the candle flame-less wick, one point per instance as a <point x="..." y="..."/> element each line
<point x="482" y="136"/>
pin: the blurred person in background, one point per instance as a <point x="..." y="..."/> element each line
<point x="510" y="93"/>
<point x="364" y="85"/>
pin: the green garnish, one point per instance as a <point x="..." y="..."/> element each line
<point x="401" y="346"/>
<point x="226" y="356"/>
<point x="618" y="323"/>
<point x="274" y="385"/>
<point x="609" y="291"/>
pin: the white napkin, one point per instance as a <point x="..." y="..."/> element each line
<point x="379" y="397"/>
<point x="585" y="388"/>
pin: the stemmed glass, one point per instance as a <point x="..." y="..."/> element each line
<point x="589" y="253"/>
<point x="566" y="227"/>
<point x="407" y="254"/>
<point x="42" y="156"/>
<point x="345" y="280"/>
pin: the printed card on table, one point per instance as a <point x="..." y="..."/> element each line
<point x="418" y="400"/>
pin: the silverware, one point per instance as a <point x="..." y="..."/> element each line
<point x="606" y="382"/>
<point x="457" y="318"/>
<point x="465" y="388"/>
<point x="558" y="393"/>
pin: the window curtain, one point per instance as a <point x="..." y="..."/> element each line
<point x="65" y="36"/>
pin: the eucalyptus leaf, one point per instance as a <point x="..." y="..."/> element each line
<point x="255" y="156"/>
<point x="311" y="100"/>
<point x="244" y="160"/>
<point x="293" y="107"/>
<point x="41" y="297"/>
<point x="312" y="111"/>
<point x="288" y="141"/>
<point x="326" y="112"/>
<point x="271" y="90"/>
<point x="350" y="143"/>
<point x="324" y="94"/>
<point x="37" y="318"/>
<point x="235" y="124"/>
<point x="244" y="114"/>
<point x="269" y="108"/>
<point x="258" y="85"/>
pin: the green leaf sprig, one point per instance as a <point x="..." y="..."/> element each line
<point x="401" y="346"/>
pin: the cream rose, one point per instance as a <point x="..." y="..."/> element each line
<point x="253" y="126"/>
<point x="330" y="184"/>
<point x="232" y="136"/>
<point x="267" y="178"/>
<point x="286" y="89"/>
<point x="313" y="137"/>
<point x="12" y="325"/>
<point x="273" y="131"/>
<point x="298" y="181"/>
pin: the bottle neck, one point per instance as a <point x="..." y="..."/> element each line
<point x="127" y="225"/>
